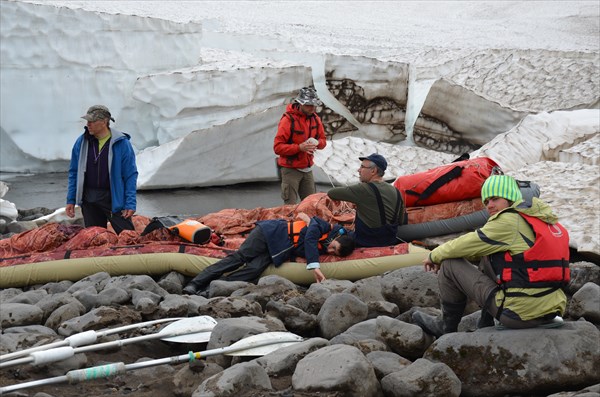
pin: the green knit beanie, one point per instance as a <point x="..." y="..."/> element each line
<point x="501" y="186"/>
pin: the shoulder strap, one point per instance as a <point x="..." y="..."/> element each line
<point x="394" y="219"/>
<point x="379" y="202"/>
<point x="398" y="201"/>
<point x="290" y="140"/>
<point x="438" y="183"/>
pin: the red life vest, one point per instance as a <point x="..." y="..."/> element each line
<point x="544" y="264"/>
<point x="294" y="229"/>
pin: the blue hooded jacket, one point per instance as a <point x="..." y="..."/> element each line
<point x="281" y="247"/>
<point x="122" y="171"/>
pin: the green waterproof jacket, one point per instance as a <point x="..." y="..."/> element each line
<point x="508" y="227"/>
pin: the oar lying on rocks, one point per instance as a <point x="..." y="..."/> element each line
<point x="255" y="345"/>
<point x="185" y="330"/>
<point x="84" y="338"/>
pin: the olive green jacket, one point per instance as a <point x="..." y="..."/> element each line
<point x="507" y="228"/>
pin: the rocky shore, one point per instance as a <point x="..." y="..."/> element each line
<point x="358" y="339"/>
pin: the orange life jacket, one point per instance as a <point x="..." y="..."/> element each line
<point x="294" y="228"/>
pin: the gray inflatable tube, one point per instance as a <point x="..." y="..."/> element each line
<point x="460" y="223"/>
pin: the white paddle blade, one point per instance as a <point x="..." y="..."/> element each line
<point x="261" y="344"/>
<point x="189" y="330"/>
<point x="262" y="350"/>
<point x="198" y="337"/>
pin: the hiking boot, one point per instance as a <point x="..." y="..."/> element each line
<point x="451" y="316"/>
<point x="486" y="319"/>
<point x="430" y="324"/>
<point x="190" y="290"/>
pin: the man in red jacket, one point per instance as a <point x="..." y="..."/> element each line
<point x="299" y="134"/>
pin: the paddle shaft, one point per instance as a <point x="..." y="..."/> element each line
<point x="64" y="352"/>
<point x="83" y="338"/>
<point x="105" y="371"/>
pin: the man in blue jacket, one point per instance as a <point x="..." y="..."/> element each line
<point x="102" y="174"/>
<point x="275" y="241"/>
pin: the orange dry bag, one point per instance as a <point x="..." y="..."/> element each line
<point x="193" y="231"/>
<point x="457" y="181"/>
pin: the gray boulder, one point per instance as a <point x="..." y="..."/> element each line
<point x="18" y="314"/>
<point x="145" y="301"/>
<point x="411" y="286"/>
<point x="172" y="282"/>
<point x="109" y="296"/>
<point x="382" y="308"/>
<point x="339" y="312"/>
<point x="30" y="297"/>
<point x="527" y="361"/>
<point x="19" y="338"/>
<point x="591" y="391"/>
<point x="367" y="289"/>
<point x="365" y="330"/>
<point x="99" y="318"/>
<point x="283" y="361"/>
<point x="582" y="273"/>
<point x="189" y="377"/>
<point x="422" y="378"/>
<point x="225" y="307"/>
<point x="9" y="293"/>
<point x="57" y="287"/>
<point x="65" y="312"/>
<point x="337" y="368"/>
<point x="294" y="319"/>
<point x="586" y="303"/>
<point x="235" y="380"/>
<point x="53" y="301"/>
<point x="407" y="340"/>
<point x="97" y="280"/>
<point x="141" y="282"/>
<point x="225" y="288"/>
<point x="385" y="363"/>
<point x="172" y="306"/>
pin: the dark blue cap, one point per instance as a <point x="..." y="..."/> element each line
<point x="376" y="159"/>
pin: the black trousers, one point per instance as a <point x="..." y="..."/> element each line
<point x="253" y="252"/>
<point x="97" y="211"/>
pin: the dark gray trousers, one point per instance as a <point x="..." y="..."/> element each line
<point x="459" y="279"/>
<point x="253" y="252"/>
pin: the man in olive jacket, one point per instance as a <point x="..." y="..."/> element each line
<point x="379" y="205"/>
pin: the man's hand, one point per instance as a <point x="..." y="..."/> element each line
<point x="303" y="217"/>
<point x="307" y="147"/>
<point x="70" y="210"/>
<point x="319" y="276"/>
<point x="430" y="266"/>
<point x="127" y="213"/>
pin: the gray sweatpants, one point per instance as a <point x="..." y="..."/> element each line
<point x="459" y="279"/>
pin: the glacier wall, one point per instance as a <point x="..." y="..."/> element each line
<point x="56" y="62"/>
<point x="181" y="87"/>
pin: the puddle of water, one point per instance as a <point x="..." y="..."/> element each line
<point x="49" y="191"/>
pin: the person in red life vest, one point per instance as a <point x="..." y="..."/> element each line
<point x="102" y="174"/>
<point x="276" y="241"/>
<point x="299" y="134"/>
<point x="524" y="262"/>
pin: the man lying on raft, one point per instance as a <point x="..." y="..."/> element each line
<point x="276" y="241"/>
